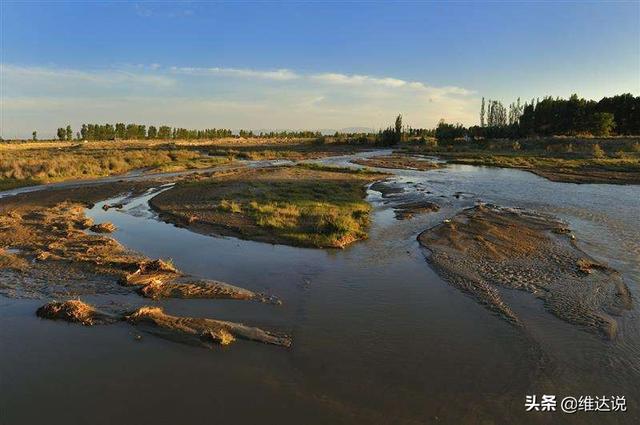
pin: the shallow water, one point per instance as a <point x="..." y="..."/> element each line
<point x="378" y="336"/>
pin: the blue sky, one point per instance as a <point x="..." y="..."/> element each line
<point x="301" y="64"/>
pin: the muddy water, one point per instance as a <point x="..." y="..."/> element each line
<point x="378" y="336"/>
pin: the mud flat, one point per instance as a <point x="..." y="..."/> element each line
<point x="398" y="162"/>
<point x="311" y="206"/>
<point x="487" y="247"/>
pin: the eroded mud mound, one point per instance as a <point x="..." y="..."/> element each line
<point x="190" y="330"/>
<point x="199" y="330"/>
<point x="74" y="311"/>
<point x="486" y="247"/>
<point x="160" y="279"/>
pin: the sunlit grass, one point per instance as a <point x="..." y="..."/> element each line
<point x="23" y="167"/>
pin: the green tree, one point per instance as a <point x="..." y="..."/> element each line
<point x="62" y="134"/>
<point x="152" y="133"/>
<point x="602" y="123"/>
<point x="164" y="132"/>
<point x="34" y="135"/>
<point x="398" y="128"/>
<point x="69" y="132"/>
<point x="121" y="130"/>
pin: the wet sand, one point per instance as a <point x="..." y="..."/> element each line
<point x="485" y="247"/>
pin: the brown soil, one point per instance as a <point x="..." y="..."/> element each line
<point x="398" y="162"/>
<point x="410" y="209"/>
<point x="487" y="247"/>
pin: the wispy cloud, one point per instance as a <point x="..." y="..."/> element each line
<point x="16" y="74"/>
<point x="278" y="74"/>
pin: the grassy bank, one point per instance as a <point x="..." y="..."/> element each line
<point x="25" y="165"/>
<point x="302" y="206"/>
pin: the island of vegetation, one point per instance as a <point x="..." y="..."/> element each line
<point x="304" y="205"/>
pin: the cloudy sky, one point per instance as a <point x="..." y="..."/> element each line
<point x="301" y="65"/>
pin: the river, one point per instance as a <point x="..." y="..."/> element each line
<point x="378" y="336"/>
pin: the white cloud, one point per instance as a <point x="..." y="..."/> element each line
<point x="279" y="74"/>
<point x="362" y="80"/>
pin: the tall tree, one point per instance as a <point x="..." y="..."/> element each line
<point x="69" y="132"/>
<point x="482" y="113"/>
<point x="398" y="128"/>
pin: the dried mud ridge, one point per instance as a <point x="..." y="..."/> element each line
<point x="47" y="252"/>
<point x="487" y="247"/>
<point x="189" y="330"/>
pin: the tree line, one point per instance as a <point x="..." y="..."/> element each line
<point x="550" y="117"/>
<point x="141" y="131"/>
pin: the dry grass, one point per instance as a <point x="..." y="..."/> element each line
<point x="71" y="311"/>
<point x="24" y="164"/>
